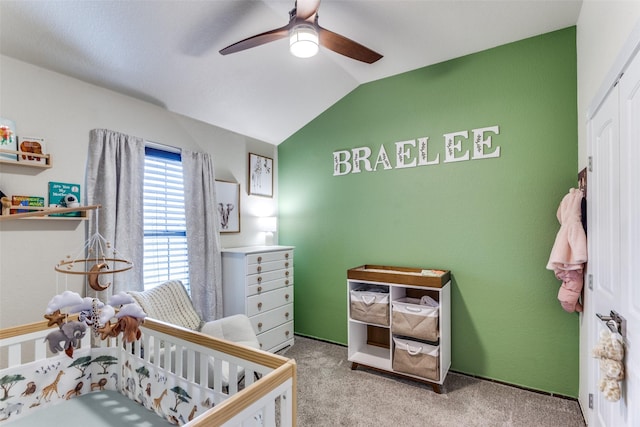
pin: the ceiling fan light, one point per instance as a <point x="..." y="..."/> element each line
<point x="303" y="41"/>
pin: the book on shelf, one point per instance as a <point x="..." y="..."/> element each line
<point x="8" y="140"/>
<point x="32" y="144"/>
<point x="26" y="201"/>
<point x="64" y="195"/>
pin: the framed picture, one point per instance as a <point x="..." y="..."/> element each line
<point x="228" y="199"/>
<point x="260" y="175"/>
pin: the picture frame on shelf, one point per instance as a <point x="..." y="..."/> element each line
<point x="228" y="206"/>
<point x="260" y="175"/>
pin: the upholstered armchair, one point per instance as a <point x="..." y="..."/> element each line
<point x="169" y="302"/>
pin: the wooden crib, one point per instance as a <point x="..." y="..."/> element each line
<point x="185" y="377"/>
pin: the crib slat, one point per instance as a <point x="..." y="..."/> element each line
<point x="40" y="350"/>
<point x="146" y="346"/>
<point x="157" y="343"/>
<point x="286" y="409"/>
<point x="15" y="355"/>
<point x="178" y="355"/>
<point x="233" y="378"/>
<point x="136" y="347"/>
<point x="217" y="374"/>
<point x="269" y="413"/>
<point x="249" y="377"/>
<point x="204" y="371"/>
<point x="191" y="365"/>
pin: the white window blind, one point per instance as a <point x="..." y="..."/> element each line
<point x="165" y="232"/>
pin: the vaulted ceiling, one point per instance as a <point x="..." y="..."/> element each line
<point x="166" y="52"/>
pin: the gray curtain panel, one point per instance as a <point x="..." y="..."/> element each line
<point x="203" y="241"/>
<point x="114" y="179"/>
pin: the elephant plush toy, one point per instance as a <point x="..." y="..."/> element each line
<point x="69" y="335"/>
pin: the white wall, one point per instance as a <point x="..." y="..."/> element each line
<point x="63" y="110"/>
<point x="602" y="30"/>
<point x="603" y="27"/>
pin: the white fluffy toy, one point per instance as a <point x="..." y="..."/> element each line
<point x="610" y="351"/>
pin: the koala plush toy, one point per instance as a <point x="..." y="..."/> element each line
<point x="610" y="351"/>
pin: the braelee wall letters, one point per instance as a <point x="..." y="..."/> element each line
<point x="358" y="159"/>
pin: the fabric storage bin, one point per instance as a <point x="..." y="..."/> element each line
<point x="416" y="358"/>
<point x="370" y="304"/>
<point x="416" y="320"/>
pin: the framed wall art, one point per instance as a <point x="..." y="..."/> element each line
<point x="260" y="175"/>
<point x="228" y="206"/>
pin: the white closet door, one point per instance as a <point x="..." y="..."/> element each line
<point x="603" y="194"/>
<point x="614" y="238"/>
<point x="630" y="234"/>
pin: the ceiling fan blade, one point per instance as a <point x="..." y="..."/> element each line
<point x="305" y="9"/>
<point x="257" y="40"/>
<point x="346" y="47"/>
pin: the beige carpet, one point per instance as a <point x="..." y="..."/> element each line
<point x="331" y="394"/>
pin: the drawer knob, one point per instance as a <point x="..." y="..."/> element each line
<point x="286" y="282"/>
<point x="259" y="288"/>
<point x="286" y="296"/>
<point x="286" y="255"/>
<point x="286" y="333"/>
<point x="286" y="265"/>
<point x="259" y="259"/>
<point x="286" y="273"/>
<point x="259" y="306"/>
<point x="286" y="315"/>
<point x="259" y="268"/>
<point x="260" y="325"/>
<point x="260" y="345"/>
<point x="259" y="279"/>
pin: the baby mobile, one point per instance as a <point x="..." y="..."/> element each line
<point x="119" y="315"/>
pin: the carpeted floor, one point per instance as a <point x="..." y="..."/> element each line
<point x="331" y="394"/>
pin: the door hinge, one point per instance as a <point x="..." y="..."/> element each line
<point x="590" y="163"/>
<point x="590" y="400"/>
<point x="590" y="281"/>
<point x="618" y="80"/>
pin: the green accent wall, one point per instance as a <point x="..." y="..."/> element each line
<point x="492" y="221"/>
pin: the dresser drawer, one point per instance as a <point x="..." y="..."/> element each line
<point x="269" y="320"/>
<point x="275" y="337"/>
<point x="262" y="286"/>
<point x="261" y="258"/>
<point x="264" y="302"/>
<point x="263" y="267"/>
<point x="286" y="276"/>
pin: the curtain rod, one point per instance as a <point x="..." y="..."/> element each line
<point x="164" y="147"/>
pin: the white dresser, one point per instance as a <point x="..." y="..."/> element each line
<point x="258" y="281"/>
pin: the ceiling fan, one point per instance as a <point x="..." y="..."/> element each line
<point x="303" y="28"/>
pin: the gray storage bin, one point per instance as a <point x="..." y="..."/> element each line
<point x="416" y="358"/>
<point x="370" y="305"/>
<point x="412" y="319"/>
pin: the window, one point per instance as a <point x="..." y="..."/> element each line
<point x="165" y="231"/>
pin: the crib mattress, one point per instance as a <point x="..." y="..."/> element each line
<point x="98" y="409"/>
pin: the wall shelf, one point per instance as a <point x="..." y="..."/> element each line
<point x="46" y="157"/>
<point x="43" y="213"/>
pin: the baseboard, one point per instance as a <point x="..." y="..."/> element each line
<point x="320" y="339"/>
